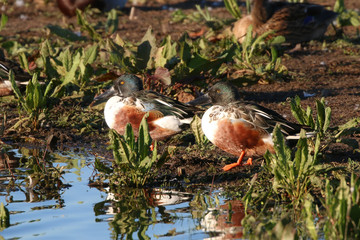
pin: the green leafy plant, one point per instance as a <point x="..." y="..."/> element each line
<point x="183" y="59"/>
<point x="112" y="22"/>
<point x="3" y="21"/>
<point x="195" y="61"/>
<point x="309" y="219"/>
<point x="35" y="100"/>
<point x="134" y="163"/>
<point x="86" y="26"/>
<point x="133" y="59"/>
<point x="294" y="175"/>
<point x="200" y="138"/>
<point x="342" y="210"/>
<point x="212" y="22"/>
<point x="69" y="69"/>
<point x="249" y="57"/>
<point x="346" y="17"/>
<point x="76" y="67"/>
<point x="320" y="124"/>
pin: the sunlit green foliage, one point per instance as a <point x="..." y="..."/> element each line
<point x="342" y="210"/>
<point x="69" y="67"/>
<point x="200" y="138"/>
<point x="3" y="21"/>
<point x="233" y="8"/>
<point x="321" y="124"/>
<point x="294" y="175"/>
<point x="134" y="163"/>
<point x="323" y="117"/>
<point x="251" y="57"/>
<point x="112" y="22"/>
<point x="87" y="27"/>
<point x="297" y="177"/>
<point x="346" y="17"/>
<point x="35" y="100"/>
<point x="201" y="15"/>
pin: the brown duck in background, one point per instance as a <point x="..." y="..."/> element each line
<point x="68" y="7"/>
<point x="297" y="22"/>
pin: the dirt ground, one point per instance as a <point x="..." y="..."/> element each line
<point x="332" y="73"/>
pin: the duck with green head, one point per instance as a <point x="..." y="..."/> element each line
<point x="239" y="127"/>
<point x="129" y="102"/>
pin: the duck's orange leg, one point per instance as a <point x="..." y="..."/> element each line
<point x="238" y="163"/>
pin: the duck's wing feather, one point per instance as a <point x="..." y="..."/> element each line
<point x="166" y="105"/>
<point x="7" y="65"/>
<point x="266" y="119"/>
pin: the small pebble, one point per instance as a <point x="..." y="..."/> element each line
<point x="19" y="3"/>
<point x="23" y="17"/>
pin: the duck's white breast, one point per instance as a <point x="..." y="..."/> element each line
<point x="112" y="107"/>
<point x="209" y="124"/>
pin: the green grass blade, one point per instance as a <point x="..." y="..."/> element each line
<point x="86" y="26"/>
<point x="112" y="22"/>
<point x="24" y="61"/>
<point x="144" y="139"/>
<point x="233" y="8"/>
<point x="70" y="76"/>
<point x="15" y="87"/>
<point x="3" y="21"/>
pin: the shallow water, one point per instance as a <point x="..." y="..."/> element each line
<point x="82" y="212"/>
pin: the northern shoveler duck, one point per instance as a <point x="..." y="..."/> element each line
<point x="239" y="127"/>
<point x="68" y="7"/>
<point x="129" y="103"/>
<point x="297" y="22"/>
<point x="22" y="78"/>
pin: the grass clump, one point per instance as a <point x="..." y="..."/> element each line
<point x="301" y="197"/>
<point x="35" y="100"/>
<point x="295" y="174"/>
<point x="134" y="163"/>
<point x="250" y="59"/>
<point x="342" y="210"/>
